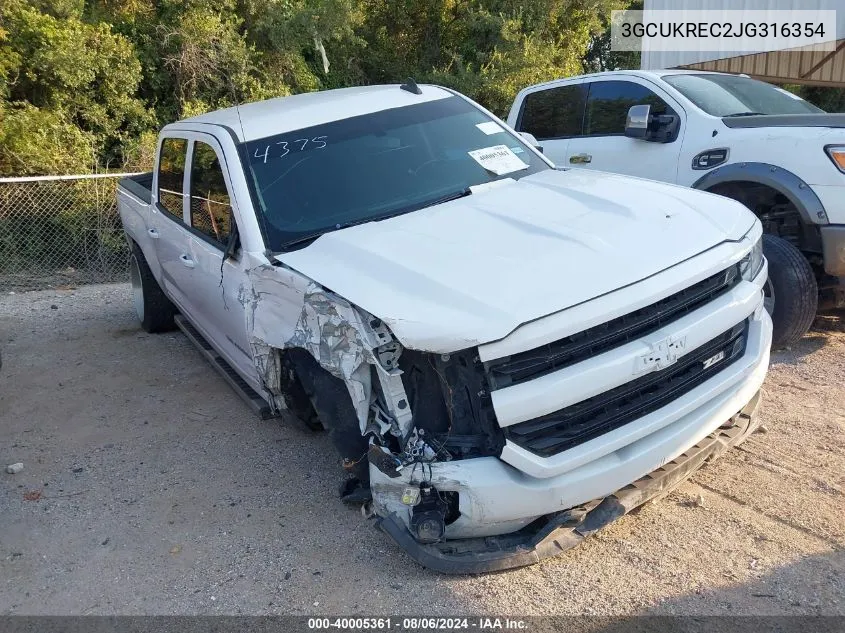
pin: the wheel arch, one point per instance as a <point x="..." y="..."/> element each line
<point x="783" y="181"/>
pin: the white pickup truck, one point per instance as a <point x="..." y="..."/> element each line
<point x="769" y="149"/>
<point x="507" y="356"/>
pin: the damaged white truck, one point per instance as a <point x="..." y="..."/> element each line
<point x="507" y="356"/>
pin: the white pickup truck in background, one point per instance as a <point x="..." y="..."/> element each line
<point x="780" y="156"/>
<point x="507" y="356"/>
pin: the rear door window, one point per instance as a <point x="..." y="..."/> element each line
<point x="553" y="113"/>
<point x="609" y="102"/>
<point x="171" y="174"/>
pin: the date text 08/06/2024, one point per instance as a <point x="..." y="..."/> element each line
<point x="416" y="624"/>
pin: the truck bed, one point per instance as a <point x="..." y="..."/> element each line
<point x="139" y="186"/>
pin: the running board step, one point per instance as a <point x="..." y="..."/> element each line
<point x="254" y="401"/>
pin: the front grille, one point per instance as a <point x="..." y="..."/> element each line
<point x="518" y="368"/>
<point x="612" y="409"/>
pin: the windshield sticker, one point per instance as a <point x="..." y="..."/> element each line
<point x="498" y="159"/>
<point x="516" y="149"/>
<point x="489" y="127"/>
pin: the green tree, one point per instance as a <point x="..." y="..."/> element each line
<point x="599" y="55"/>
<point x="68" y="90"/>
<point x="86" y="83"/>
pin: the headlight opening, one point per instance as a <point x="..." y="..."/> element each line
<point x="752" y="263"/>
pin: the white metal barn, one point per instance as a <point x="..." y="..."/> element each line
<point x="795" y="66"/>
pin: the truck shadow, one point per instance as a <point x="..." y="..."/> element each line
<point x="812" y="587"/>
<point x="830" y="321"/>
<point x="811" y="343"/>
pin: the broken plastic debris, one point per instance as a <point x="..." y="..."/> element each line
<point x="417" y="450"/>
<point x="383" y="460"/>
<point x="14" y="469"/>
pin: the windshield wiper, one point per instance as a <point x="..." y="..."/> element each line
<point x="463" y="193"/>
<point x="300" y="241"/>
<point x="749" y="113"/>
<point x="307" y="239"/>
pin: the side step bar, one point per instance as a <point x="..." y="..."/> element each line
<point x="253" y="400"/>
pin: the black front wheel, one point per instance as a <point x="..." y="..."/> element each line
<point x="791" y="293"/>
<point x="154" y="309"/>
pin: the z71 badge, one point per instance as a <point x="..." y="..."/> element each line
<point x="715" y="358"/>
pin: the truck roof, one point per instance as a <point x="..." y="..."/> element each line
<point x="654" y="75"/>
<point x="283" y="114"/>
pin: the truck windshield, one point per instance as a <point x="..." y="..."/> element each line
<point x="322" y="178"/>
<point x="731" y="95"/>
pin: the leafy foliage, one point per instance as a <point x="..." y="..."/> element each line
<point x="828" y="99"/>
<point x="68" y="89"/>
<point x="84" y="84"/>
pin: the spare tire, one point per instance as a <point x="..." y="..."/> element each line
<point x="791" y="291"/>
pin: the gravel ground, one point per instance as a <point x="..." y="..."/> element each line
<point x="149" y="488"/>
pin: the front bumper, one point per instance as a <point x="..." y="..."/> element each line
<point x="500" y="495"/>
<point x="555" y="533"/>
<point x="499" y="498"/>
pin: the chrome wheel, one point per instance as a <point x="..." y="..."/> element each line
<point x="137" y="287"/>
<point x="769" y="297"/>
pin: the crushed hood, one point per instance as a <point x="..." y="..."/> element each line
<point x="472" y="270"/>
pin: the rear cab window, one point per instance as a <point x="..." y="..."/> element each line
<point x="608" y="104"/>
<point x="171" y="175"/>
<point x="553" y="113"/>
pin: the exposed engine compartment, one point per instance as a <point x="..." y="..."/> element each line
<point x="450" y="400"/>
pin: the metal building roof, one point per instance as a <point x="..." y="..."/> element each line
<point x="795" y="66"/>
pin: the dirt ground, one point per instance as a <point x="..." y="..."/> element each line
<point x="149" y="488"/>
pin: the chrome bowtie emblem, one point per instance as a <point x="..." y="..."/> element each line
<point x="661" y="354"/>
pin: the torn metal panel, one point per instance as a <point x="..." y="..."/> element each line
<point x="331" y="330"/>
<point x="272" y="302"/>
<point x="287" y="310"/>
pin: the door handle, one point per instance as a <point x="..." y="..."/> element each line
<point x="580" y="158"/>
<point x="187" y="261"/>
<point x="153" y="233"/>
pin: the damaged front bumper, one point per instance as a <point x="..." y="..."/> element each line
<point x="554" y="533"/>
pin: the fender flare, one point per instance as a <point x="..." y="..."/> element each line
<point x="782" y="180"/>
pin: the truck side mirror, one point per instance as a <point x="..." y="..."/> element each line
<point x="532" y="141"/>
<point x="636" y="123"/>
<point x="665" y="128"/>
<point x="234" y="242"/>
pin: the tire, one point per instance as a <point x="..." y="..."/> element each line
<point x="154" y="309"/>
<point x="792" y="294"/>
<point x="299" y="403"/>
<point x="329" y="398"/>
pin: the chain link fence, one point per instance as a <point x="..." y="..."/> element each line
<point x="60" y="231"/>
